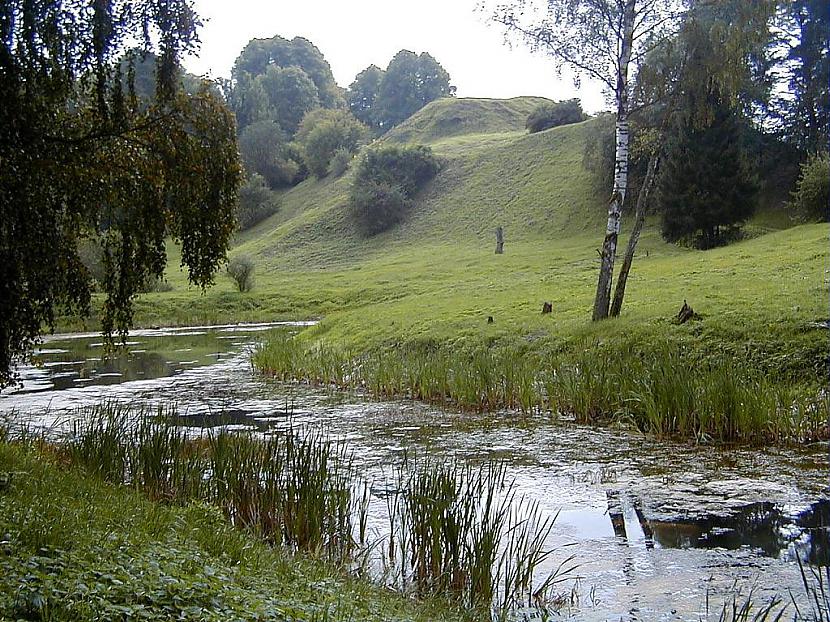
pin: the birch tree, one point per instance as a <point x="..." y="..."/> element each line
<point x="715" y="51"/>
<point x="604" y="40"/>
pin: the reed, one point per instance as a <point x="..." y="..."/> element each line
<point x="660" y="388"/>
<point x="296" y="489"/>
<point x="461" y="532"/>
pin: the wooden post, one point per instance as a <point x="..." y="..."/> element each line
<point x="499" y="241"/>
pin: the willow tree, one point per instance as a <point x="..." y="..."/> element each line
<point x="82" y="156"/>
<point x="604" y="40"/>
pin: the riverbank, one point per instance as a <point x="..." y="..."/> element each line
<point x="77" y="548"/>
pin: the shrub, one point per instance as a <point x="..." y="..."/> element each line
<point x="554" y="114"/>
<point x="811" y="199"/>
<point x="241" y="270"/>
<point x="256" y="202"/>
<point x="340" y="162"/>
<point x="386" y="181"/>
<point x="325" y="132"/>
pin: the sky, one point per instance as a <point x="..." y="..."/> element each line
<point x="356" y="33"/>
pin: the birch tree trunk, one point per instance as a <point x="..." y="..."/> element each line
<point x="640" y="218"/>
<point x="602" y="300"/>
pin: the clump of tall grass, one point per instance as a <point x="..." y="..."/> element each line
<point x="460" y="531"/>
<point x="297" y="488"/>
<point x="659" y="389"/>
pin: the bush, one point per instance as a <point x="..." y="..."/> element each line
<point x="340" y="162"/>
<point x="256" y="202"/>
<point x="378" y="206"/>
<point x="241" y="270"/>
<point x="554" y="114"/>
<point x="386" y="181"/>
<point x="325" y="132"/>
<point x="811" y="199"/>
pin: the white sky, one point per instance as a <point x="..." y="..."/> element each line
<point x="356" y="33"/>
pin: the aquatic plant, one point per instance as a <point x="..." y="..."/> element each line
<point x="460" y="531"/>
<point x="660" y="389"/>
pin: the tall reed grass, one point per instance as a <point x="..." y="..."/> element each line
<point x="297" y="489"/>
<point x="460" y="531"/>
<point x="659" y="389"/>
<point x="455" y="531"/>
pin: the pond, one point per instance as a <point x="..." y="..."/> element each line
<point x="657" y="528"/>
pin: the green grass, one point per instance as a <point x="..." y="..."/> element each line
<point x="435" y="278"/>
<point x="75" y="547"/>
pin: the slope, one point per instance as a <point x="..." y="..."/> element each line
<point x="435" y="277"/>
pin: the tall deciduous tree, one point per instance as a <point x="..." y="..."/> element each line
<point x="604" y="40"/>
<point x="409" y="83"/>
<point x="81" y="156"/>
<point x="363" y="93"/>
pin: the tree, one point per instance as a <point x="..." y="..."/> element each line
<point x="409" y="83"/>
<point x="324" y="132"/>
<point x="81" y="158"/>
<point x="260" y="54"/>
<point x="291" y="94"/>
<point x="386" y="181"/>
<point x="362" y="95"/>
<point x="811" y="199"/>
<point x="707" y="185"/>
<point x="801" y="55"/>
<point x="256" y="202"/>
<point x="603" y="40"/>
<point x="264" y="150"/>
<point x="713" y="58"/>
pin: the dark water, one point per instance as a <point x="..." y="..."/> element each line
<point x="657" y="528"/>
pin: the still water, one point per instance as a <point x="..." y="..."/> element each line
<point x="657" y="528"/>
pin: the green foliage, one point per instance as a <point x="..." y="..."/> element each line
<point x="79" y="548"/>
<point x="323" y="133"/>
<point x="261" y="54"/>
<point x="554" y="114"/>
<point x="265" y="152"/>
<point x="811" y="199"/>
<point x="82" y="156"/>
<point x="291" y="94"/>
<point x="241" y="271"/>
<point x="340" y="162"/>
<point x="386" y="181"/>
<point x="409" y="83"/>
<point x="256" y="203"/>
<point x="363" y="93"/>
<point x="707" y="186"/>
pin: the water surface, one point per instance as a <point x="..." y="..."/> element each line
<point x="655" y="526"/>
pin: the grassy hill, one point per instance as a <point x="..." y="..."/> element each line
<point x="436" y="277"/>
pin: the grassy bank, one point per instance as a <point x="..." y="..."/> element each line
<point x="433" y="281"/>
<point x="658" y="388"/>
<point x="78" y="548"/>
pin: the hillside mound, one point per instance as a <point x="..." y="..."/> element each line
<point x="448" y="117"/>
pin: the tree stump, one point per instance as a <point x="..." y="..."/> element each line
<point x="546" y="308"/>
<point x="686" y="313"/>
<point x="499" y="241"/>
